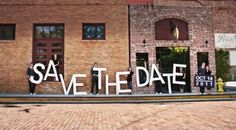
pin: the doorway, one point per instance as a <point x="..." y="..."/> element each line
<point x="166" y="57"/>
<point x="142" y="60"/>
<point x="202" y="57"/>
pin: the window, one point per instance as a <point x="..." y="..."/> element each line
<point x="7" y="31"/>
<point x="94" y="31"/>
<point x="48" y="41"/>
<point x="49" y="31"/>
<point x="171" y="29"/>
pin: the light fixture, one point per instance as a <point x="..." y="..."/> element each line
<point x="206" y="43"/>
<point x="144" y="43"/>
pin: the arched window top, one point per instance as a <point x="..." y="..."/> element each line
<point x="171" y="29"/>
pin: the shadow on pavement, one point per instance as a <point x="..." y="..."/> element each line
<point x="10" y="106"/>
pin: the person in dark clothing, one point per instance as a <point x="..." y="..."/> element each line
<point x="30" y="73"/>
<point x="158" y="84"/>
<point x="181" y="78"/>
<point x="129" y="78"/>
<point x="202" y="69"/>
<point x="56" y="62"/>
<point x="94" y="79"/>
<point x="208" y="73"/>
<point x="201" y="72"/>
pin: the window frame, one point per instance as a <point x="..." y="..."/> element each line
<point x="93" y="24"/>
<point x="183" y="27"/>
<point x="14" y="31"/>
<point x="48" y="41"/>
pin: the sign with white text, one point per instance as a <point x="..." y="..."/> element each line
<point x="225" y="40"/>
<point x="204" y="81"/>
<point x="73" y="84"/>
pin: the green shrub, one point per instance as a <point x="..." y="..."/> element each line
<point x="222" y="64"/>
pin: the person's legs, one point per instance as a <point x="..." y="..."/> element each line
<point x="33" y="88"/>
<point x="29" y="86"/>
<point x="202" y="90"/>
<point x="181" y="87"/>
<point x="92" y="85"/>
<point x="96" y="83"/>
<point x="129" y="85"/>
<point x="208" y="90"/>
<point x="156" y="87"/>
<point x="159" y="87"/>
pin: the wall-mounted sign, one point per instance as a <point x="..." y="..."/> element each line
<point x="225" y="40"/>
<point x="204" y="81"/>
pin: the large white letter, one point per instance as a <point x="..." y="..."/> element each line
<point x="178" y="74"/>
<point x="37" y="72"/>
<point x="72" y="82"/>
<point x="66" y="92"/>
<point x="159" y="77"/>
<point x="119" y="82"/>
<point x="137" y="76"/>
<point x="54" y="74"/>
<point x="75" y="84"/>
<point x="99" y="76"/>
<point x="108" y="84"/>
<point x="169" y="83"/>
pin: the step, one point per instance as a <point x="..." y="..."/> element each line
<point x="136" y="98"/>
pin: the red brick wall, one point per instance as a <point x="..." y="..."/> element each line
<point x="142" y="25"/>
<point x="80" y="55"/>
<point x="224" y="19"/>
<point x="63" y="2"/>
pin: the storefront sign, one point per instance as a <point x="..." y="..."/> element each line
<point x="204" y="81"/>
<point x="225" y="40"/>
<point x="73" y="83"/>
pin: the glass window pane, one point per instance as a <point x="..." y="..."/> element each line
<point x="53" y="31"/>
<point x="39" y="30"/>
<point x="59" y="31"/>
<point x="41" y="57"/>
<point x="7" y="31"/>
<point x="100" y="32"/>
<point x="40" y="51"/>
<point x="94" y="31"/>
<point x="46" y="32"/>
<point x="41" y="44"/>
<point x="57" y="44"/>
<point x="56" y="50"/>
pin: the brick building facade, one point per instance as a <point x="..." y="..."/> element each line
<point x="79" y="54"/>
<point x="127" y="24"/>
<point x="204" y="18"/>
<point x="200" y="29"/>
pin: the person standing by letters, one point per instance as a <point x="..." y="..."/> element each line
<point x="56" y="63"/>
<point x="94" y="79"/>
<point x="31" y="74"/>
<point x="129" y="78"/>
<point x="181" y="78"/>
<point x="208" y="73"/>
<point x="202" y="72"/>
<point x="158" y="84"/>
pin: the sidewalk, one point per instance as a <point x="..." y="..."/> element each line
<point x="124" y="98"/>
<point x="163" y="116"/>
